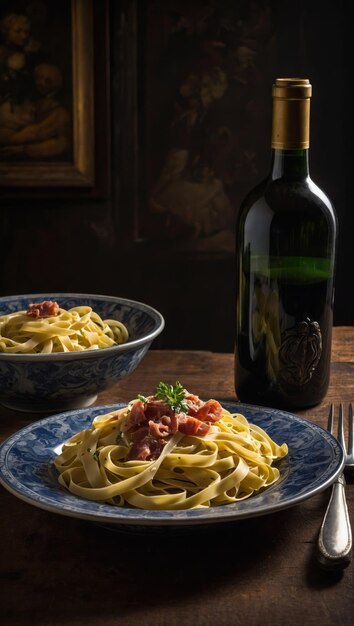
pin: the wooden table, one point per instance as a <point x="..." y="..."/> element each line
<point x="62" y="571"/>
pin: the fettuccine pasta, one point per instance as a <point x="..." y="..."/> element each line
<point x="72" y="330"/>
<point x="128" y="461"/>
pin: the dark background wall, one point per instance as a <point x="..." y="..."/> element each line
<point x="109" y="241"/>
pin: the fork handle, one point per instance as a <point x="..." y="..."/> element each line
<point x="335" y="538"/>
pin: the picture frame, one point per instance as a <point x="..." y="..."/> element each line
<point x="84" y="168"/>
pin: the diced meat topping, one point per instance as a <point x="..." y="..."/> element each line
<point x="193" y="426"/>
<point x="47" y="308"/>
<point x="145" y="447"/>
<point x="150" y="422"/>
<point x="156" y="409"/>
<point x="194" y="403"/>
<point x="166" y="425"/>
<point x="210" y="411"/>
<point x="137" y="414"/>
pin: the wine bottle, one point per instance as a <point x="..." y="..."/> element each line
<point x="285" y="252"/>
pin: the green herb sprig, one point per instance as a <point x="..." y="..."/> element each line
<point x="119" y="437"/>
<point x="173" y="395"/>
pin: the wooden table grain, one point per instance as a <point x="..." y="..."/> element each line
<point x="61" y="571"/>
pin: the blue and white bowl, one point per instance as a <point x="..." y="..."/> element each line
<point x="70" y="380"/>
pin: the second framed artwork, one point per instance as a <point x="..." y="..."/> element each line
<point x="52" y="110"/>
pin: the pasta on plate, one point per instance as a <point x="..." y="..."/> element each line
<point x="46" y="328"/>
<point x="163" y="453"/>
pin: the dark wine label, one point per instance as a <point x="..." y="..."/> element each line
<point x="299" y="353"/>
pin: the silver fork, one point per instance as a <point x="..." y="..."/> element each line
<point x="335" y="538"/>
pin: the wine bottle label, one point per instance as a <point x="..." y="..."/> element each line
<point x="299" y="353"/>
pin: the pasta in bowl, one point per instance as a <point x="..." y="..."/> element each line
<point x="57" y="351"/>
<point x="46" y="328"/>
<point x="169" y="451"/>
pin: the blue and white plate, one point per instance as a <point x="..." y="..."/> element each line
<point x="314" y="461"/>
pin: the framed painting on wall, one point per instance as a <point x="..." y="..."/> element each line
<point x="48" y="95"/>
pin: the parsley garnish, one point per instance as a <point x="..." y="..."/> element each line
<point x="119" y="437"/>
<point x="173" y="395"/>
<point x="142" y="398"/>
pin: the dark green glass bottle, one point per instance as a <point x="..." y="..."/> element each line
<point x="285" y="250"/>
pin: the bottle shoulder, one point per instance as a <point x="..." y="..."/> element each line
<point x="287" y="196"/>
<point x="323" y="197"/>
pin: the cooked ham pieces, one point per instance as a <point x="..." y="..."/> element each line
<point x="150" y="422"/>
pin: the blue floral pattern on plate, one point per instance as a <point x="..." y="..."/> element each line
<point x="26" y="469"/>
<point x="61" y="381"/>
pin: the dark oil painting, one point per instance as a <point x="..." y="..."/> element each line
<point x="207" y="100"/>
<point x="35" y="81"/>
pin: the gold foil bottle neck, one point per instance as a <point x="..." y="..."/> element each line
<point x="292" y="88"/>
<point x="291" y="113"/>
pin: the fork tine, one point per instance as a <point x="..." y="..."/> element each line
<point x="341" y="429"/>
<point x="351" y="429"/>
<point x="330" y="419"/>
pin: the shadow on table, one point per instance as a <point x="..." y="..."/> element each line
<point x="65" y="565"/>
